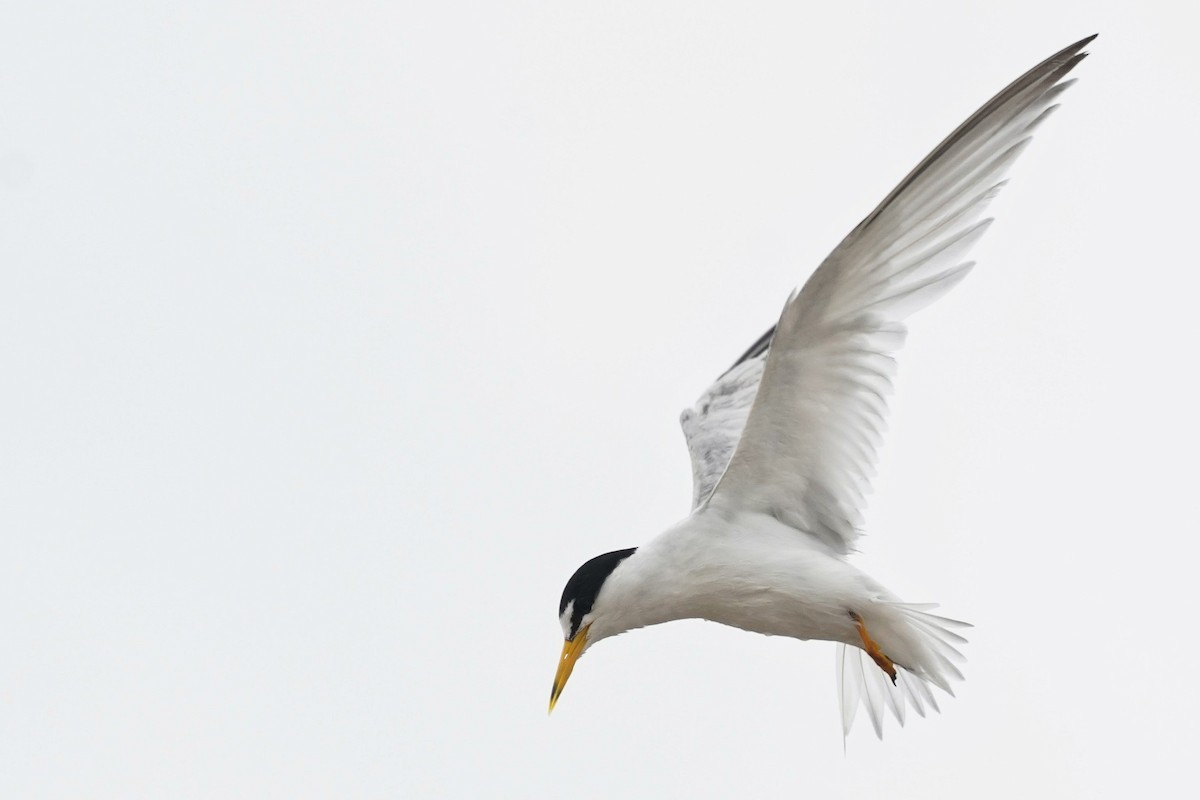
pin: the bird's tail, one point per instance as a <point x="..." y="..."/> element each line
<point x="923" y="648"/>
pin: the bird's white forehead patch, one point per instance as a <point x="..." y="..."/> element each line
<point x="564" y="619"/>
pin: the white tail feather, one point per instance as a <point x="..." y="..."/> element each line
<point x="931" y="647"/>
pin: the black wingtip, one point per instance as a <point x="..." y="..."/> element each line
<point x="1072" y="53"/>
<point x="1082" y="43"/>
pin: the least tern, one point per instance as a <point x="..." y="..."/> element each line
<point x="783" y="444"/>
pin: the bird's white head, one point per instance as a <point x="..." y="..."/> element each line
<point x="582" y="613"/>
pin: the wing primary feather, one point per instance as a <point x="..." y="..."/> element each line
<point x="1067" y="59"/>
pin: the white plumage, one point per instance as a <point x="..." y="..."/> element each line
<point x="783" y="445"/>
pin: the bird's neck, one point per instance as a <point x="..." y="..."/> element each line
<point x="659" y="583"/>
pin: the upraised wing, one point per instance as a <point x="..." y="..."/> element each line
<point x="793" y="428"/>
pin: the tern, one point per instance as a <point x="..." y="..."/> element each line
<point x="783" y="444"/>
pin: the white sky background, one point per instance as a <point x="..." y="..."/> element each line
<point x="335" y="340"/>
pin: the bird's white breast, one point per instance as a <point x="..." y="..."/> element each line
<point x="747" y="570"/>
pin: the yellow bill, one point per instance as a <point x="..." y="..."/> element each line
<point x="571" y="651"/>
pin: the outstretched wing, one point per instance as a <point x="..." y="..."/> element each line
<point x="792" y="429"/>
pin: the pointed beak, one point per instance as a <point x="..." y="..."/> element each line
<point x="571" y="651"/>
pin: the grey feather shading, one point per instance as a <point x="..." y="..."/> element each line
<point x="794" y="425"/>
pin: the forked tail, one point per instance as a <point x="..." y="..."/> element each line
<point x="925" y="653"/>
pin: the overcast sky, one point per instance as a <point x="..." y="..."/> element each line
<point x="336" y="336"/>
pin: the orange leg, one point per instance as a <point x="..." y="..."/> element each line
<point x="872" y="649"/>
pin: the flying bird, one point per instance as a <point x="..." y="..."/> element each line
<point x="783" y="444"/>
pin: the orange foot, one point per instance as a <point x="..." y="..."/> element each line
<point x="873" y="650"/>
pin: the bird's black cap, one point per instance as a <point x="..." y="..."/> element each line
<point x="585" y="585"/>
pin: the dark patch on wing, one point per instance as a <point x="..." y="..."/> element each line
<point x="756" y="350"/>
<point x="585" y="584"/>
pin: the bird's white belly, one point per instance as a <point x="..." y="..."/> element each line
<point x="758" y="574"/>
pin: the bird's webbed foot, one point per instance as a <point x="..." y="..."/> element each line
<point x="872" y="649"/>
